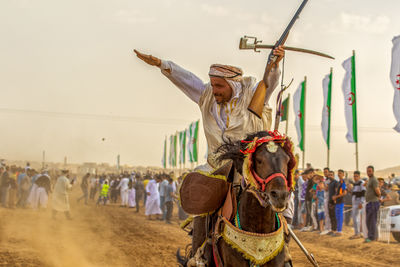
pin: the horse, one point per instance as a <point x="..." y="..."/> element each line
<point x="253" y="233"/>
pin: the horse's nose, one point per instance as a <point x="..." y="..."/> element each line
<point x="279" y="194"/>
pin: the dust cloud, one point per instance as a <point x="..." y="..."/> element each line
<point x="115" y="236"/>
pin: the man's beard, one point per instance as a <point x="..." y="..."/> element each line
<point x="219" y="99"/>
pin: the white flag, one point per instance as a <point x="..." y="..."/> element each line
<point x="299" y="110"/>
<point x="193" y="133"/>
<point x="326" y="109"/>
<point x="395" y="79"/>
<point x="350" y="101"/>
<point x="182" y="146"/>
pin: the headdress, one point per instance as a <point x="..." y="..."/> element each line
<point x="226" y="71"/>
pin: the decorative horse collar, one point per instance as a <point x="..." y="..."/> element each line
<point x="257" y="248"/>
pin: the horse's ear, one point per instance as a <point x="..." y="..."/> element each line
<point x="224" y="170"/>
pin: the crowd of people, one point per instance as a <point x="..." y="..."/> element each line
<point x="28" y="188"/>
<point x="325" y="200"/>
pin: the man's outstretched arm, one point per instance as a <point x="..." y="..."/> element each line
<point x="187" y="82"/>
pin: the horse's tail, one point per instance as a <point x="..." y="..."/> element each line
<point x="181" y="260"/>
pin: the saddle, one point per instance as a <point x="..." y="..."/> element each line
<point x="204" y="193"/>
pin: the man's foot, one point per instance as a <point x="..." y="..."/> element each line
<point x="325" y="232"/>
<point x="367" y="240"/>
<point x="331" y="233"/>
<point x="354" y="237"/>
<point x="305" y="229"/>
<point x="308" y="229"/>
<point x="337" y="234"/>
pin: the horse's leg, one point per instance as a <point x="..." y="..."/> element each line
<point x="199" y="233"/>
<point x="230" y="257"/>
<point x="278" y="261"/>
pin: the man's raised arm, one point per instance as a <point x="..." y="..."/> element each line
<point x="187" y="82"/>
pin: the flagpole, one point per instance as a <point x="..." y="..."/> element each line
<point x="354" y="72"/>
<point x="304" y="126"/>
<point x="357" y="156"/>
<point x="176" y="151"/>
<point x="287" y="114"/>
<point x="180" y="152"/>
<point x="329" y="120"/>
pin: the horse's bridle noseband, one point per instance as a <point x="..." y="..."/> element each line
<point x="263" y="182"/>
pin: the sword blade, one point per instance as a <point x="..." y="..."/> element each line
<point x="245" y="46"/>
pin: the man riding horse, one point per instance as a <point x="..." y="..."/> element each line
<point x="223" y="103"/>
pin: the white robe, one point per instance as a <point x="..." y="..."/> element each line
<point x="152" y="200"/>
<point x="38" y="197"/>
<point x="33" y="196"/>
<point x="131" y="198"/>
<point x="123" y="186"/>
<point x="221" y="122"/>
<point x="60" y="195"/>
<point x="42" y="197"/>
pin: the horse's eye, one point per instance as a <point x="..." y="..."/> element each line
<point x="258" y="161"/>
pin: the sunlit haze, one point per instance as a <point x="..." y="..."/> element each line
<point x="69" y="78"/>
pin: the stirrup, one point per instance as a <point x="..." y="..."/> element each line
<point x="198" y="260"/>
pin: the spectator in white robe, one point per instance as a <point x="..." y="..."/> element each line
<point x="40" y="191"/>
<point x="123" y="187"/>
<point x="152" y="200"/>
<point x="131" y="194"/>
<point x="60" y="195"/>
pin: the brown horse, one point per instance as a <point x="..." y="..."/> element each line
<point x="253" y="236"/>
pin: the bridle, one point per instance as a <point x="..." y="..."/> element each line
<point x="250" y="178"/>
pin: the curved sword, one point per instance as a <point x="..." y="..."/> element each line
<point x="244" y="45"/>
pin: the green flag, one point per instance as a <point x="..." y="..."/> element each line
<point x="172" y="150"/>
<point x="175" y="150"/>
<point x="350" y="103"/>
<point x="285" y="109"/>
<point x="182" y="147"/>
<point x="326" y="109"/>
<point x="299" y="104"/>
<point x="193" y="133"/>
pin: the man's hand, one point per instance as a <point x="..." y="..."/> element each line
<point x="149" y="59"/>
<point x="280" y="52"/>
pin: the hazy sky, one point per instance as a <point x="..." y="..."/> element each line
<point x="68" y="77"/>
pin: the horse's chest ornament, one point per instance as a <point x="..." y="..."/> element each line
<point x="258" y="248"/>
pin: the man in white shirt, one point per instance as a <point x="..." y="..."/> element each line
<point x="223" y="101"/>
<point x="123" y="186"/>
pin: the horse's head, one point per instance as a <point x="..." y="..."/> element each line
<point x="266" y="165"/>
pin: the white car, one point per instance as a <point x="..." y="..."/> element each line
<point x="395" y="221"/>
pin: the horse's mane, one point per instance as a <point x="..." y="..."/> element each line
<point x="231" y="149"/>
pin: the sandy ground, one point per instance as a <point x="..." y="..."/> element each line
<point x="115" y="236"/>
